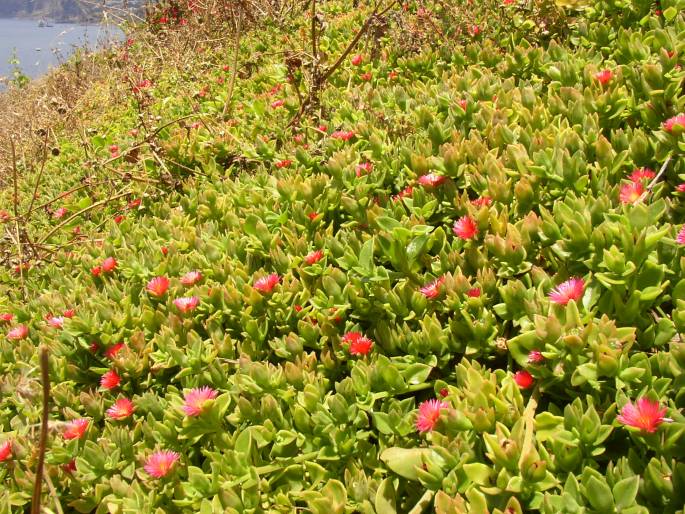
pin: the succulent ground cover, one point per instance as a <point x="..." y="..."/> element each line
<point x="448" y="278"/>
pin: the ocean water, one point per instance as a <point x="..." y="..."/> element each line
<point x="39" y="48"/>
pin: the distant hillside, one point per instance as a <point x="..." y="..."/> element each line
<point x="66" y="10"/>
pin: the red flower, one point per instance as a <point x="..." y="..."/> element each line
<point x="429" y="413"/>
<point x="444" y="392"/>
<point x="160" y="463"/>
<point x="358" y="343"/>
<point x="69" y="313"/>
<point x="344" y="135"/>
<point x="366" y="76"/>
<point x="110" y="380"/>
<point x="4" y="216"/>
<point x="475" y="30"/>
<point x="94" y="347"/>
<point x="143" y="84"/>
<point x="164" y="250"/>
<point x="70" y="466"/>
<point x="356" y="60"/>
<point x="112" y="351"/>
<point x="631" y="192"/>
<point x="535" y="357"/>
<point x="6" y="317"/>
<point x="267" y="283"/>
<point x="96" y="270"/>
<point x="284" y="163"/>
<point x="406" y="192"/>
<point x="191" y="278"/>
<point x="604" y="76"/>
<point x="59" y="213"/>
<point x="277" y="103"/>
<point x="392" y="75"/>
<point x="118" y="218"/>
<point x="312" y="215"/>
<point x="109" y="264"/>
<point x="483" y="201"/>
<point x="114" y="150"/>
<point x="196" y="399"/>
<point x="17" y="333"/>
<point x="572" y="289"/>
<point x="298" y="308"/>
<point x="523" y="379"/>
<point x="5" y="451"/>
<point x="465" y="228"/>
<point x="313" y="257"/>
<point x="366" y="167"/>
<point x="322" y="128"/>
<point x="432" y="289"/>
<point x="134" y="204"/>
<point x="463" y="103"/>
<point x="186" y="304"/>
<point x="639" y="174"/>
<point x="676" y="123"/>
<point x="646" y="415"/>
<point x="680" y="238"/>
<point x="431" y="179"/>
<point x="158" y="286"/>
<point x="121" y="409"/>
<point x="76" y="428"/>
<point x="473" y="292"/>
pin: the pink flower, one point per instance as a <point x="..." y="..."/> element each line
<point x="17" y="333"/>
<point x="6" y="317"/>
<point x="523" y="379"/>
<point x="366" y="76"/>
<point x="483" y="201"/>
<point x="429" y="413"/>
<point x="110" y="380"/>
<point x="631" y="193"/>
<point x="191" y="278"/>
<point x="431" y="180"/>
<point x="158" y="286"/>
<point x="313" y="257"/>
<point x="5" y="451"/>
<point x="474" y="292"/>
<point x="465" y="228"/>
<point x="160" y="463"/>
<point x="267" y="283"/>
<point x="186" y="304"/>
<point x="284" y="163"/>
<point x="406" y="192"/>
<point x="358" y="343"/>
<point x="463" y="103"/>
<point x="680" y="188"/>
<point x="59" y="213"/>
<point x="56" y="322"/>
<point x="535" y="357"/>
<point x="432" y="289"/>
<point x="121" y="409"/>
<point x="604" y="76"/>
<point x="365" y="167"/>
<point x="639" y="174"/>
<point x="196" y="399"/>
<point x="572" y="289"/>
<point x="277" y="103"/>
<point x="645" y="415"/>
<point x="676" y="123"/>
<point x="109" y="264"/>
<point x="76" y="428"/>
<point x="356" y="60"/>
<point x="680" y="238"/>
<point x="112" y="351"/>
<point x="114" y="150"/>
<point x="4" y="216"/>
<point x="343" y="135"/>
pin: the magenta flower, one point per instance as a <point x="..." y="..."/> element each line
<point x="676" y="123"/>
<point x="535" y="357"/>
<point x="17" y="333"/>
<point x="196" y="399"/>
<point x="187" y="303"/>
<point x="75" y="428"/>
<point x="645" y="415"/>
<point x="432" y="289"/>
<point x="5" y="451"/>
<point x="429" y="413"/>
<point x="158" y="286"/>
<point x="121" y="409"/>
<point x="465" y="228"/>
<point x="160" y="463"/>
<point x="680" y="238"/>
<point x="572" y="289"/>
<point x="431" y="179"/>
<point x="191" y="278"/>
<point x="267" y="283"/>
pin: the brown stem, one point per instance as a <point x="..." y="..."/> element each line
<point x="40" y="173"/>
<point x="234" y="66"/>
<point x="37" y="486"/>
<point x="15" y="202"/>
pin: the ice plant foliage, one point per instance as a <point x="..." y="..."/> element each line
<point x="157" y="286"/>
<point x="195" y="400"/>
<point x="572" y="289"/>
<point x="429" y="413"/>
<point x="645" y="415"/>
<point x="160" y="463"/>
<point x="267" y="283"/>
<point x="75" y="429"/>
<point x="186" y="304"/>
<point x="465" y="228"/>
<point x="121" y="409"/>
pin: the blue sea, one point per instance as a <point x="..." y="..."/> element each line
<point x="39" y="48"/>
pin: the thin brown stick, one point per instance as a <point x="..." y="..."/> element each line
<point x="15" y="202"/>
<point x="42" y="444"/>
<point x="40" y="172"/>
<point x="234" y="65"/>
